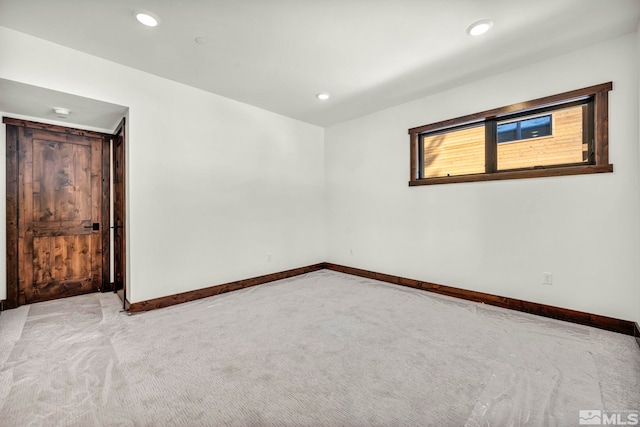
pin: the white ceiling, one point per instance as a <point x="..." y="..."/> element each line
<point x="26" y="101"/>
<point x="277" y="54"/>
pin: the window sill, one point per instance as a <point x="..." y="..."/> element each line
<point x="518" y="174"/>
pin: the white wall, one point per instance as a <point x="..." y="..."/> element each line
<point x="496" y="237"/>
<point x="214" y="184"/>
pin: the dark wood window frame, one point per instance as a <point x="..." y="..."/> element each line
<point x="598" y="162"/>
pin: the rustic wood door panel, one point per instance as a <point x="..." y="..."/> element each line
<point x="61" y="181"/>
<point x="62" y="262"/>
<point x="61" y="212"/>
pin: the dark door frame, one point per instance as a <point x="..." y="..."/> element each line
<point x="12" y="213"/>
<point x="120" y="210"/>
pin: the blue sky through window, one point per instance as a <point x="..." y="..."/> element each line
<point x="524" y="129"/>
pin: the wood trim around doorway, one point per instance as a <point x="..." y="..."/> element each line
<point x="12" y="154"/>
<point x="12" y="216"/>
<point x="106" y="210"/>
<point x="120" y="208"/>
<point x="53" y="128"/>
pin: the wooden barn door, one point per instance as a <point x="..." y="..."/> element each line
<point x="62" y="201"/>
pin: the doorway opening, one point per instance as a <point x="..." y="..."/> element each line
<point x="58" y="199"/>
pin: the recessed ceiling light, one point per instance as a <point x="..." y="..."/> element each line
<point x="479" y="27"/>
<point x="147" y="18"/>
<point x="200" y="40"/>
<point x="323" y="96"/>
<point x="61" y="112"/>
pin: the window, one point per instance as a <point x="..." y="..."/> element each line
<point x="524" y="129"/>
<point x="565" y="134"/>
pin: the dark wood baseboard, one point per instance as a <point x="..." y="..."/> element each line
<point x="2" y="305"/>
<point x="219" y="289"/>
<point x="573" y="316"/>
<point x="602" y="322"/>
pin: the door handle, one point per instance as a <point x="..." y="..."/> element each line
<point x="95" y="226"/>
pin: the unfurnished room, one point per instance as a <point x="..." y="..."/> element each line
<point x="320" y="213"/>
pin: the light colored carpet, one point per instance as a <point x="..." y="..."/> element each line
<point x="323" y="349"/>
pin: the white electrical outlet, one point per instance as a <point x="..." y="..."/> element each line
<point x="269" y="257"/>
<point x="547" y="279"/>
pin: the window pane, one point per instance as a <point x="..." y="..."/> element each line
<point x="459" y="152"/>
<point x="536" y="127"/>
<point x="537" y="145"/>
<point x="507" y="132"/>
